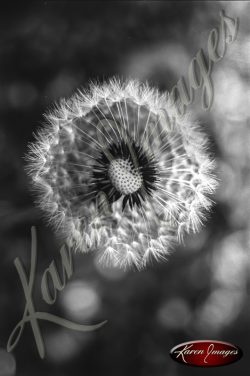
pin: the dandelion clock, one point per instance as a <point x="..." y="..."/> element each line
<point x="118" y="174"/>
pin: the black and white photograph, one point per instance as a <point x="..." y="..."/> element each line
<point x="125" y="188"/>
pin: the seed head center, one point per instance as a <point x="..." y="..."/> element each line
<point x="124" y="177"/>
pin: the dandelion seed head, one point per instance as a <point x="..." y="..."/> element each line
<point x="118" y="174"/>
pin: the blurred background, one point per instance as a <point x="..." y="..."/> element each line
<point x="47" y="51"/>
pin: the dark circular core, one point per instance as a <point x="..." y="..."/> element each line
<point x="142" y="164"/>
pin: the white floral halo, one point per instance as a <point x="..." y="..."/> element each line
<point x="118" y="173"/>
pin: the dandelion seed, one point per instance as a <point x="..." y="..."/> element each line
<point x="113" y="177"/>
